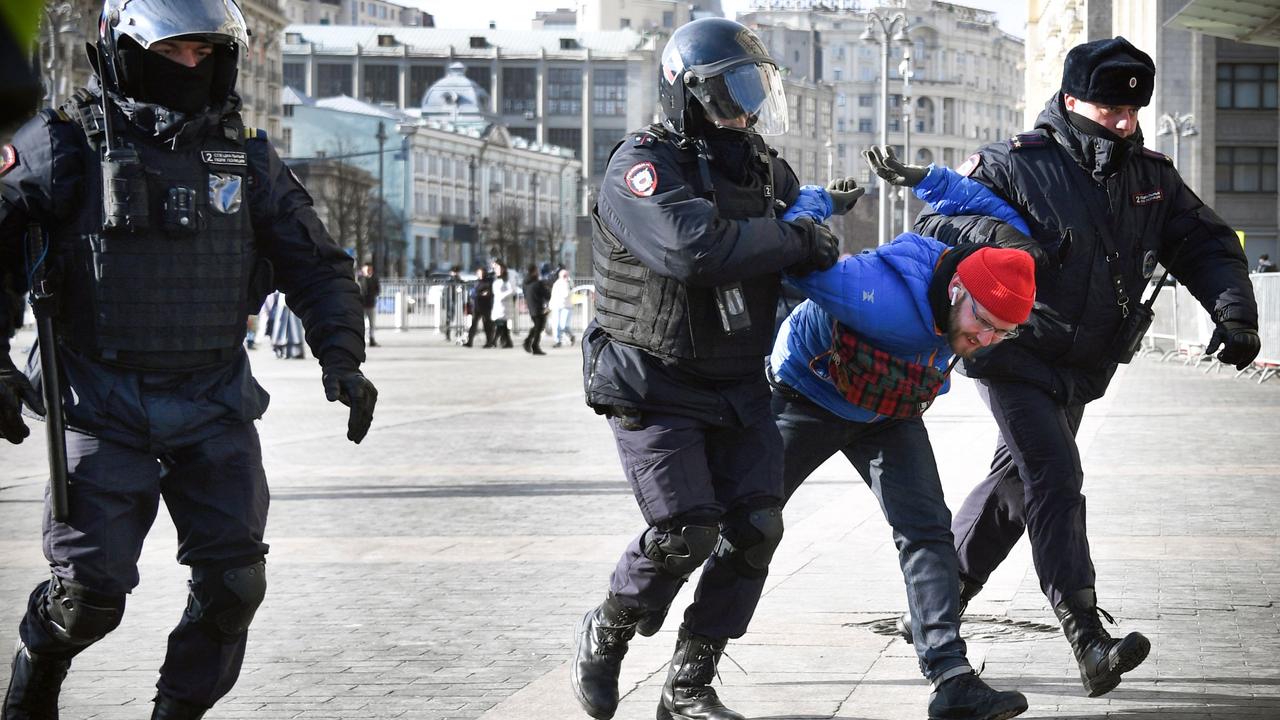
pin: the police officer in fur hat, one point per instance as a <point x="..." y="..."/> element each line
<point x="161" y="222"/>
<point x="1103" y="212"/>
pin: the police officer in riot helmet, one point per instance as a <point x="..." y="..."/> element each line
<point x="165" y="221"/>
<point x="689" y="248"/>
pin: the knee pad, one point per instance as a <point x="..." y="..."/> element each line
<point x="681" y="549"/>
<point x="223" y="600"/>
<point x="749" y="538"/>
<point x="81" y="616"/>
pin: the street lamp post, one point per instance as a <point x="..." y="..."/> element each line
<point x="380" y="240"/>
<point x="905" y="71"/>
<point x="533" y="250"/>
<point x="407" y="131"/>
<point x="892" y="28"/>
<point x="57" y="53"/>
<point x="1179" y="126"/>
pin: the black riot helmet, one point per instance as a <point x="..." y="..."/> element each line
<point x="130" y="27"/>
<point x="724" y="67"/>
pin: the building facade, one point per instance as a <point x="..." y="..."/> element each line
<point x="1214" y="110"/>
<point x="572" y="89"/>
<point x="965" y="76"/>
<point x="467" y="188"/>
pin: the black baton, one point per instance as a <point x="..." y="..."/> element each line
<point x="42" y="302"/>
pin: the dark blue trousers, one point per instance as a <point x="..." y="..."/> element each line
<point x="216" y="493"/>
<point x="1034" y="485"/>
<point x="681" y="468"/>
<point x="895" y="460"/>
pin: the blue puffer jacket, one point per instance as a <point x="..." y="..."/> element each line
<point x="882" y="296"/>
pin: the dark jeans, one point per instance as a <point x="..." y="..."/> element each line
<point x="895" y="460"/>
<point x="1034" y="484"/>
<point x="533" y="341"/>
<point x="680" y="468"/>
<point x="215" y="491"/>
<point x="476" y="320"/>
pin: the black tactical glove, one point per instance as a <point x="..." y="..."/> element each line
<point x="344" y="382"/>
<point x="15" y="390"/>
<point x="1007" y="236"/>
<point x="823" y="248"/>
<point x="1239" y="341"/>
<point x="888" y="167"/>
<point x="844" y="194"/>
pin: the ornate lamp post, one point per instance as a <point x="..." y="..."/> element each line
<point x="891" y="29"/>
<point x="1179" y="126"/>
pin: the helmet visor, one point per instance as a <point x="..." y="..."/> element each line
<point x="746" y="97"/>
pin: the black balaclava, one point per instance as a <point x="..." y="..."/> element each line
<point x="149" y="77"/>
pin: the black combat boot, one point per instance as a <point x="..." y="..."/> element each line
<point x="968" y="589"/>
<point x="599" y="646"/>
<point x="167" y="708"/>
<point x="687" y="694"/>
<point x="967" y="697"/>
<point x="34" y="686"/>
<point x="1102" y="658"/>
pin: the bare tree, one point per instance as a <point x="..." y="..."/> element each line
<point x="506" y="235"/>
<point x="345" y="195"/>
<point x="550" y="241"/>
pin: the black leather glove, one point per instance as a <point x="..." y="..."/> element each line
<point x="344" y="383"/>
<point x="844" y="194"/>
<point x="1239" y="342"/>
<point x="1007" y="236"/>
<point x="823" y="248"/>
<point x="888" y="167"/>
<point x="15" y="389"/>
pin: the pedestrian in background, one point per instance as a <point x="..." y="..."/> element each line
<point x="370" y="288"/>
<point x="453" y="301"/>
<point x="481" y="300"/>
<point x="536" y="297"/>
<point x="561" y="304"/>
<point x="504" y="304"/>
<point x="1103" y="211"/>
<point x="1264" y="264"/>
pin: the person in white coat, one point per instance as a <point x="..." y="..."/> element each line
<point x="562" y="306"/>
<point x="503" y="304"/>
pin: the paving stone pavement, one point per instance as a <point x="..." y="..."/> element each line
<point x="437" y="570"/>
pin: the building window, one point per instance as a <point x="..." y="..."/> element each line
<point x="838" y="73"/>
<point x="295" y="76"/>
<point x="1247" y="86"/>
<point x="865" y="126"/>
<point x="530" y="134"/>
<point x="422" y="77"/>
<point x="567" y="138"/>
<point x="1246" y="169"/>
<point x="519" y="91"/>
<point x="609" y="92"/>
<point x="668" y="19"/>
<point x="602" y="142"/>
<point x="332" y="80"/>
<point x="380" y="83"/>
<point x="479" y="74"/>
<point x="564" y="91"/>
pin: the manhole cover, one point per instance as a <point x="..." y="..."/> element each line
<point x="980" y="628"/>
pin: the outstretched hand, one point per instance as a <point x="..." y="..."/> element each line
<point x="883" y="163"/>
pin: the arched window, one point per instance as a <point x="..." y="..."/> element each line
<point x="926" y="117"/>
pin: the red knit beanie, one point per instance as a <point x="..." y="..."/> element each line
<point x="1002" y="280"/>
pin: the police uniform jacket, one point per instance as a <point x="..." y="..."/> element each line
<point x="657" y="205"/>
<point x="55" y="179"/>
<point x="1077" y="190"/>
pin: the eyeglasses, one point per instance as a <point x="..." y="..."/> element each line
<point x="996" y="332"/>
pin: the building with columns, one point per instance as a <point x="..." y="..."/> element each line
<point x="1214" y="109"/>
<point x="468" y="188"/>
<point x="580" y="90"/>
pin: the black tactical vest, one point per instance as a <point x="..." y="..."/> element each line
<point x="639" y="307"/>
<point x="173" y="294"/>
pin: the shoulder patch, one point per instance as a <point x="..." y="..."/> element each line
<point x="970" y="164"/>
<point x="255" y="134"/>
<point x="642" y="139"/>
<point x="8" y="159"/>
<point x="1156" y="155"/>
<point x="642" y="179"/>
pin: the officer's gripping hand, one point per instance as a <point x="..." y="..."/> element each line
<point x="892" y="170"/>
<point x="844" y="194"/>
<point x="813" y="202"/>
<point x="1008" y="236"/>
<point x="822" y="247"/>
<point x="1239" y="342"/>
<point x="15" y="390"/>
<point x="344" y="383"/>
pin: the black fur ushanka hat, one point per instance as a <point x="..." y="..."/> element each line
<point x="1109" y="72"/>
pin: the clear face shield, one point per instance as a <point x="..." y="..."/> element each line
<point x="150" y="21"/>
<point x="745" y="97"/>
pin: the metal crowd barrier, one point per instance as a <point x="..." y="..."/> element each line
<point x="437" y="305"/>
<point x="1181" y="329"/>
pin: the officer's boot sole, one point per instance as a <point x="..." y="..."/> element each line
<point x="584" y="627"/>
<point x="1129" y="654"/>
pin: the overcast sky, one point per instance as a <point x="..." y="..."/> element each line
<point x="517" y="14"/>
